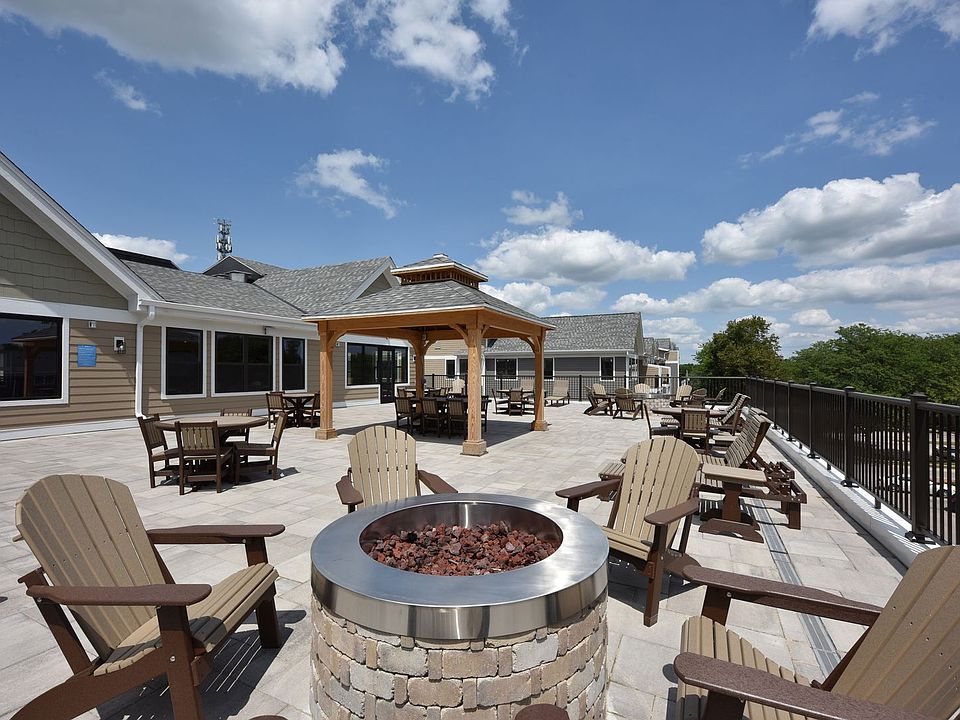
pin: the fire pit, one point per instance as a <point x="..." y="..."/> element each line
<point x="392" y="642"/>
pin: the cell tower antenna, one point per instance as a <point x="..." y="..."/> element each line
<point x="224" y="243"/>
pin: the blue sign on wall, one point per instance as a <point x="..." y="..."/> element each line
<point x="86" y="355"/>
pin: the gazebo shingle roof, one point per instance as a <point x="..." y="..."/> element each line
<point x="581" y="332"/>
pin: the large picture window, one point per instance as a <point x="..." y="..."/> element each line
<point x="373" y="364"/>
<point x="606" y="367"/>
<point x="244" y="363"/>
<point x="293" y="366"/>
<point x="184" y="361"/>
<point x="506" y="367"/>
<point x="31" y="363"/>
<point x="548" y="368"/>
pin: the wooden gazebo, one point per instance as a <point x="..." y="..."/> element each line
<point x="437" y="299"/>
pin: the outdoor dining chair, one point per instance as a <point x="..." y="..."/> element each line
<point x="383" y="467"/>
<point x="903" y="667"/>
<point x="431" y="415"/>
<point x="97" y="560"/>
<point x="200" y="452"/>
<point x="276" y="407"/>
<point x="516" y="402"/>
<point x="157" y="450"/>
<point x="242" y="432"/>
<point x="456" y="416"/>
<point x="405" y="411"/>
<point x="269" y="451"/>
<point x="560" y="394"/>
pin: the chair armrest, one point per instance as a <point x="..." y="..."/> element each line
<point x="738" y="476"/>
<point x="157" y="595"/>
<point x="212" y="534"/>
<point x="349" y="495"/>
<point x="590" y="489"/>
<point x="719" y="676"/>
<point x="784" y="595"/>
<point x="677" y="512"/>
<point x="434" y="482"/>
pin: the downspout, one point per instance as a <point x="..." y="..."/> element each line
<point x="138" y="382"/>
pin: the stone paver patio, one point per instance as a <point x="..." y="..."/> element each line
<point x="829" y="552"/>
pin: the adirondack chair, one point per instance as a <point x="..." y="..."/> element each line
<point x="683" y="392"/>
<point x="657" y="492"/>
<point x="626" y="404"/>
<point x="904" y="666"/>
<point x="695" y="426"/>
<point x="560" y="393"/>
<point x="731" y="422"/>
<point x="383" y="467"/>
<point x="458" y="386"/>
<point x="598" y="404"/>
<point x="97" y="559"/>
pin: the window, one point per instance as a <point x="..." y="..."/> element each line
<point x="451" y="368"/>
<point x="244" y="363"/>
<point x="548" y="368"/>
<point x="506" y="367"/>
<point x="31" y="362"/>
<point x="184" y="362"/>
<point x="606" y="367"/>
<point x="369" y="364"/>
<point x="293" y="367"/>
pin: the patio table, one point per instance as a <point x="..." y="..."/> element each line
<point x="226" y="424"/>
<point x="298" y="403"/>
<point x="731" y="519"/>
<point x="675" y="412"/>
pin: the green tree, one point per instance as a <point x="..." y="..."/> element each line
<point x="885" y="362"/>
<point x="745" y="347"/>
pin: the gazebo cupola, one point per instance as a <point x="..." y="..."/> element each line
<point x="436" y="269"/>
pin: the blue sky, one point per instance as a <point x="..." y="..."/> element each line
<point x="696" y="161"/>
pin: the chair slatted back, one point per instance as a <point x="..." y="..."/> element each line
<point x="526" y="383"/>
<point x="278" y="429"/>
<point x="694" y="422"/>
<point x="621" y="392"/>
<point x="627" y="403"/>
<point x="403" y="404"/>
<point x="599" y="389"/>
<point x="226" y="412"/>
<point x="659" y="474"/>
<point x="152" y="435"/>
<point x="561" y="387"/>
<point x="516" y="395"/>
<point x="85" y="530"/>
<point x="734" y="410"/>
<point x="747" y="442"/>
<point x="430" y="407"/>
<point x="641" y="389"/>
<point x="275" y="401"/>
<point x="683" y="392"/>
<point x="457" y="386"/>
<point x="383" y="464"/>
<point x="198" y="438"/>
<point x="910" y="658"/>
<point x="719" y="396"/>
<point x="456" y="408"/>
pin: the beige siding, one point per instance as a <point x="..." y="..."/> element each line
<point x="434" y="366"/>
<point x="341" y="393"/>
<point x="34" y="266"/>
<point x="446" y="347"/>
<point x="104" y="392"/>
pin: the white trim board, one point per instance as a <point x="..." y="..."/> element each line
<point x="204" y="343"/>
<point x="64" y="398"/>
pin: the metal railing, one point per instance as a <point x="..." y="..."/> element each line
<point x="579" y="384"/>
<point x="879" y="443"/>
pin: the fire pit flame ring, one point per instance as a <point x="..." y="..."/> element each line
<point x="352" y="585"/>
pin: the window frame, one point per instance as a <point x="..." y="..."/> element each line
<point x="64" y="398"/>
<point x="516" y="367"/>
<point x="164" y="395"/>
<point x="613" y="364"/>
<point x="549" y="376"/>
<point x="378" y="346"/>
<point x="306" y="365"/>
<point x="243" y="393"/>
<point x="446" y="366"/>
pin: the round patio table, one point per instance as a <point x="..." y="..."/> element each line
<point x="226" y="424"/>
<point x="675" y="412"/>
<point x="299" y="402"/>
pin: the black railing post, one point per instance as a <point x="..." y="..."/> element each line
<point x="776" y="405"/>
<point x="813" y="453"/>
<point x="848" y="474"/>
<point x="580" y="387"/>
<point x="919" y="470"/>
<point x="789" y="427"/>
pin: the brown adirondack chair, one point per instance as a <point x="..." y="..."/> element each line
<point x="97" y="560"/>
<point x="626" y="404"/>
<point x="657" y="492"/>
<point x="598" y="404"/>
<point x="383" y="467"/>
<point x="695" y="425"/>
<point x="904" y="666"/>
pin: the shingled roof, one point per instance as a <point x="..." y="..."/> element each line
<point x="424" y="297"/>
<point x="319" y="289"/>
<point x="611" y="332"/>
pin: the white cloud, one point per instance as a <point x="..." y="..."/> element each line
<point x="846" y="220"/>
<point x="881" y="22"/>
<point x="333" y="176"/>
<point x="936" y="323"/>
<point x="539" y="298"/>
<point x="898" y="286"/>
<point x="125" y="93"/>
<point x="814" y="317"/>
<point x="874" y="134"/>
<point x="145" y="245"/>
<point x="431" y="36"/>
<point x="556" y="213"/>
<point x="284" y="42"/>
<point x="568" y="257"/>
<point x="682" y="330"/>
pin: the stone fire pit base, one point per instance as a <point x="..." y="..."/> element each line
<point x="362" y="673"/>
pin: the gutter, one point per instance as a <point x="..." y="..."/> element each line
<point x="138" y="382"/>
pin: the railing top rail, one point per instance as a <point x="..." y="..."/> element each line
<point x="826" y="390"/>
<point x="939" y="407"/>
<point x="886" y="399"/>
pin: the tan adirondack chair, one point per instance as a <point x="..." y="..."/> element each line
<point x="904" y="667"/>
<point x="97" y="559"/>
<point x="657" y="492"/>
<point x="383" y="467"/>
<point x="560" y="392"/>
<point x="683" y="392"/>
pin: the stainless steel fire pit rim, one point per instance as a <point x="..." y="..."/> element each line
<point x="353" y="585"/>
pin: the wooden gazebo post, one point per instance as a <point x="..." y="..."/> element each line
<point x="474" y="444"/>
<point x="328" y="340"/>
<point x="537" y="343"/>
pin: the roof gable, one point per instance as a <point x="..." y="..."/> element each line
<point x="615" y="332"/>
